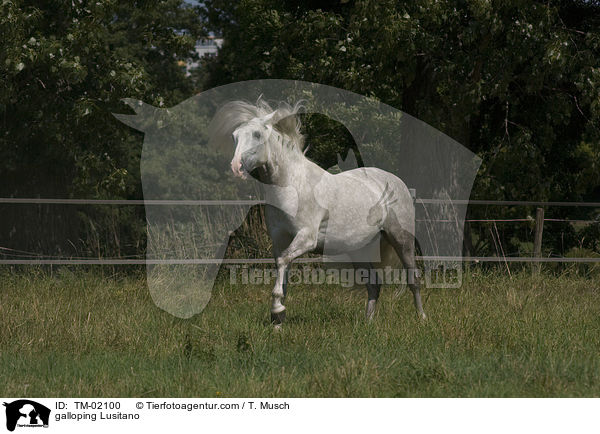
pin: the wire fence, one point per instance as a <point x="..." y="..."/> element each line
<point x="261" y="202"/>
<point x="31" y="258"/>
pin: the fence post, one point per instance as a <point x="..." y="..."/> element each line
<point x="537" y="241"/>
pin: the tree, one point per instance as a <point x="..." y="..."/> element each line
<point x="65" y="67"/>
<point x="516" y="81"/>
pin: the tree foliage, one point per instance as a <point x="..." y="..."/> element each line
<point x="65" y="66"/>
<point x="517" y="82"/>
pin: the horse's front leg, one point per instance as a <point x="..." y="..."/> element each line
<point x="303" y="242"/>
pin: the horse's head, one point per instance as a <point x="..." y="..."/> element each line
<point x="251" y="141"/>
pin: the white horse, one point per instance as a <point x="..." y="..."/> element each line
<point x="311" y="210"/>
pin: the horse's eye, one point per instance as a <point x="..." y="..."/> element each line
<point x="256" y="134"/>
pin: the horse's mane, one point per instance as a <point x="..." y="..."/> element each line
<point x="234" y="113"/>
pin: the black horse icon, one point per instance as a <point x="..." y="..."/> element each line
<point x="31" y="410"/>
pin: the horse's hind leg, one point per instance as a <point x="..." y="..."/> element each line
<point x="403" y="243"/>
<point x="373" y="289"/>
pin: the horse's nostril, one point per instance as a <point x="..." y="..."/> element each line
<point x="236" y="167"/>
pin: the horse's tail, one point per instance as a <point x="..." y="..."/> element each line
<point x="388" y="256"/>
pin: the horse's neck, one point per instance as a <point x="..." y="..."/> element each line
<point x="284" y="165"/>
<point x="289" y="170"/>
<point x="279" y="172"/>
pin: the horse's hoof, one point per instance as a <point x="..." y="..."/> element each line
<point x="278" y="318"/>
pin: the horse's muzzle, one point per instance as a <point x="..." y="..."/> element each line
<point x="237" y="168"/>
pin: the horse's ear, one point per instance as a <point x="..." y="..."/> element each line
<point x="272" y="118"/>
<point x="145" y="114"/>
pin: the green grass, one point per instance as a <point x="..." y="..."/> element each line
<point x="80" y="334"/>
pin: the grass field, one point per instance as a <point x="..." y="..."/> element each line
<point x="78" y="333"/>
